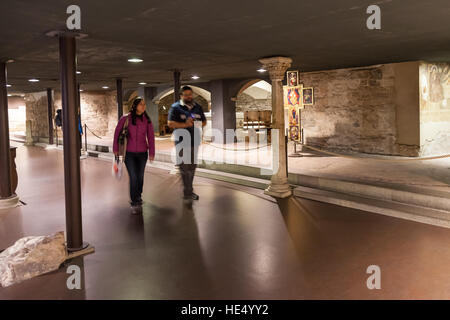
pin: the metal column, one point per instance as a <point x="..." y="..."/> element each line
<point x="50" y="115"/>
<point x="5" y="156"/>
<point x="69" y="94"/>
<point x="119" y="98"/>
<point x="176" y="85"/>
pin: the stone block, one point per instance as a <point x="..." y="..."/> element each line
<point x="30" y="257"/>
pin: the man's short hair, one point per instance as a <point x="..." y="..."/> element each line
<point x="186" y="88"/>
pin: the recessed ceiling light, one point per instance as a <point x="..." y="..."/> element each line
<point x="105" y="87"/>
<point x="9" y="95"/>
<point x="33" y="80"/>
<point x="261" y="70"/>
<point x="195" y="77"/>
<point x="78" y="72"/>
<point x="135" y="60"/>
<point x="142" y="83"/>
<point x="8" y="85"/>
<point x="81" y="90"/>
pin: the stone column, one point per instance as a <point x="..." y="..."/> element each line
<point x="279" y="186"/>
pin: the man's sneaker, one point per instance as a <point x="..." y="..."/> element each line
<point x="195" y="196"/>
<point x="187" y="202"/>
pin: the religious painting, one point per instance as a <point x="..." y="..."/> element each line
<point x="308" y="96"/>
<point x="292" y="78"/>
<point x="294" y="123"/>
<point x="435" y="87"/>
<point x="293" y="97"/>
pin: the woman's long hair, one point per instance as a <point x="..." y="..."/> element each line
<point x="133" y="111"/>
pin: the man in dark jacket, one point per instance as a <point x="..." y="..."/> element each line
<point x="187" y="119"/>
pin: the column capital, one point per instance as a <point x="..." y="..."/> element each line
<point x="276" y="66"/>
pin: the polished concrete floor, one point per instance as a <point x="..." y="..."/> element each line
<point x="236" y="243"/>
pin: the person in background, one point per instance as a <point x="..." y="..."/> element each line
<point x="187" y="115"/>
<point x="140" y="146"/>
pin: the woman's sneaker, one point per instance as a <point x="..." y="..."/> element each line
<point x="137" y="209"/>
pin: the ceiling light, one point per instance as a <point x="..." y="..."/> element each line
<point x="8" y="86"/>
<point x="105" y="87"/>
<point x="142" y="83"/>
<point x="33" y="80"/>
<point x="195" y="77"/>
<point x="81" y="90"/>
<point x="78" y="72"/>
<point x="135" y="60"/>
<point x="9" y="95"/>
<point x="261" y="70"/>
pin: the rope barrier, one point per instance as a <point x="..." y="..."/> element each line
<point x="92" y="132"/>
<point x="245" y="149"/>
<point x="372" y="158"/>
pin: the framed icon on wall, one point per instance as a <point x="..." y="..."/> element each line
<point x="292" y="78"/>
<point x="293" y="96"/>
<point x="294" y="123"/>
<point x="308" y="96"/>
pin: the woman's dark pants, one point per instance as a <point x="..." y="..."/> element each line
<point x="135" y="163"/>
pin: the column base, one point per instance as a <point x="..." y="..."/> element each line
<point x="8" y="203"/>
<point x="278" y="191"/>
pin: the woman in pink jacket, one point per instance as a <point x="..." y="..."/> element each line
<point x="140" y="147"/>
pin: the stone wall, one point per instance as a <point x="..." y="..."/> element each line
<point x="36" y="111"/>
<point x="16" y="114"/>
<point x="354" y="110"/>
<point x="434" y="108"/>
<point x="246" y="102"/>
<point x="98" y="111"/>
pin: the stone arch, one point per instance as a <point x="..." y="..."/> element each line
<point x="202" y="96"/>
<point x="253" y="95"/>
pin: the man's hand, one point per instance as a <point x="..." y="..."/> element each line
<point x="151" y="158"/>
<point x="181" y="125"/>
<point x="189" y="122"/>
